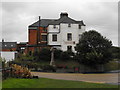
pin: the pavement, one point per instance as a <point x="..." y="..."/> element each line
<point x="110" y="78"/>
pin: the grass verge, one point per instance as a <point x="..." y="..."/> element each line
<point x="51" y="83"/>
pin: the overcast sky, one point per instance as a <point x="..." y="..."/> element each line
<point x="99" y="16"/>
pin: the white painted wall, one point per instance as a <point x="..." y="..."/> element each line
<point x="8" y="56"/>
<point x="61" y="32"/>
<point x="52" y="31"/>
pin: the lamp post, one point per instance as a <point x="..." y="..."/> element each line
<point x="52" y="62"/>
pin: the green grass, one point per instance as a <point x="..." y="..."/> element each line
<point x="51" y="83"/>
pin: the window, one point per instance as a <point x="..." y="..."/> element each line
<point x="54" y="37"/>
<point x="44" y="37"/>
<point x="69" y="36"/>
<point x="54" y="26"/>
<point x="69" y="25"/>
<point x="79" y="26"/>
<point x="69" y="48"/>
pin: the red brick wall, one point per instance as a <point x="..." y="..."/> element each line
<point x="12" y="49"/>
<point x="42" y="31"/>
<point x="32" y="37"/>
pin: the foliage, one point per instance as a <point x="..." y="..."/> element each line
<point x="112" y="65"/>
<point x="48" y="68"/>
<point x="16" y="71"/>
<point x="43" y="55"/>
<point x="57" y="54"/>
<point x="66" y="55"/>
<point x="115" y="52"/>
<point x="93" y="49"/>
<point x="2" y="62"/>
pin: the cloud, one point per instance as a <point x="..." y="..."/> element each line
<point x="101" y="16"/>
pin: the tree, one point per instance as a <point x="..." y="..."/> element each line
<point x="44" y="54"/>
<point x="57" y="54"/>
<point x="115" y="52"/>
<point x="63" y="55"/>
<point x="66" y="55"/>
<point x="93" y="49"/>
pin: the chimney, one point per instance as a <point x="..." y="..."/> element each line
<point x="63" y="15"/>
<point x="2" y="40"/>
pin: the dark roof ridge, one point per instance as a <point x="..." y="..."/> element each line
<point x="64" y="19"/>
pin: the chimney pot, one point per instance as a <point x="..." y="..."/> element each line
<point x="64" y="14"/>
<point x="2" y="40"/>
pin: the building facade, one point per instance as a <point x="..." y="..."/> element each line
<point x="8" y="46"/>
<point x="8" y="50"/>
<point x="62" y="33"/>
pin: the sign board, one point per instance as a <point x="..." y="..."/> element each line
<point x="69" y="42"/>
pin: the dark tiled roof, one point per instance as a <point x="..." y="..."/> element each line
<point x="8" y="45"/>
<point x="64" y="19"/>
<point x="43" y="23"/>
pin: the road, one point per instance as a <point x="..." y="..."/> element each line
<point x="111" y="78"/>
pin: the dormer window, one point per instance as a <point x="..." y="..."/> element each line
<point x="54" y="26"/>
<point x="69" y="25"/>
<point x="79" y="26"/>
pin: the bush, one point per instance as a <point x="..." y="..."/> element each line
<point x="20" y="72"/>
<point x="48" y="68"/>
<point x="67" y="55"/>
<point x="57" y="54"/>
<point x="43" y="55"/>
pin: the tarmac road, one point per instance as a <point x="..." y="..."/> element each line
<point x="111" y="78"/>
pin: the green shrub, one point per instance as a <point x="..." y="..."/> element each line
<point x="111" y="66"/>
<point x="48" y="68"/>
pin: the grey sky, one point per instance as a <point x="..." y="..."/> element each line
<point x="100" y="16"/>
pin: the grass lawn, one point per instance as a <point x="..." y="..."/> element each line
<point x="51" y="83"/>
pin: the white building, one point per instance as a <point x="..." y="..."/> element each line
<point x="8" y="50"/>
<point x="65" y="32"/>
<point x="62" y="33"/>
<point x="8" y="55"/>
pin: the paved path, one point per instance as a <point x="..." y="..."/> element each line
<point x="95" y="78"/>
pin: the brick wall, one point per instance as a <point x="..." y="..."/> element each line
<point x="32" y="37"/>
<point x="11" y="49"/>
